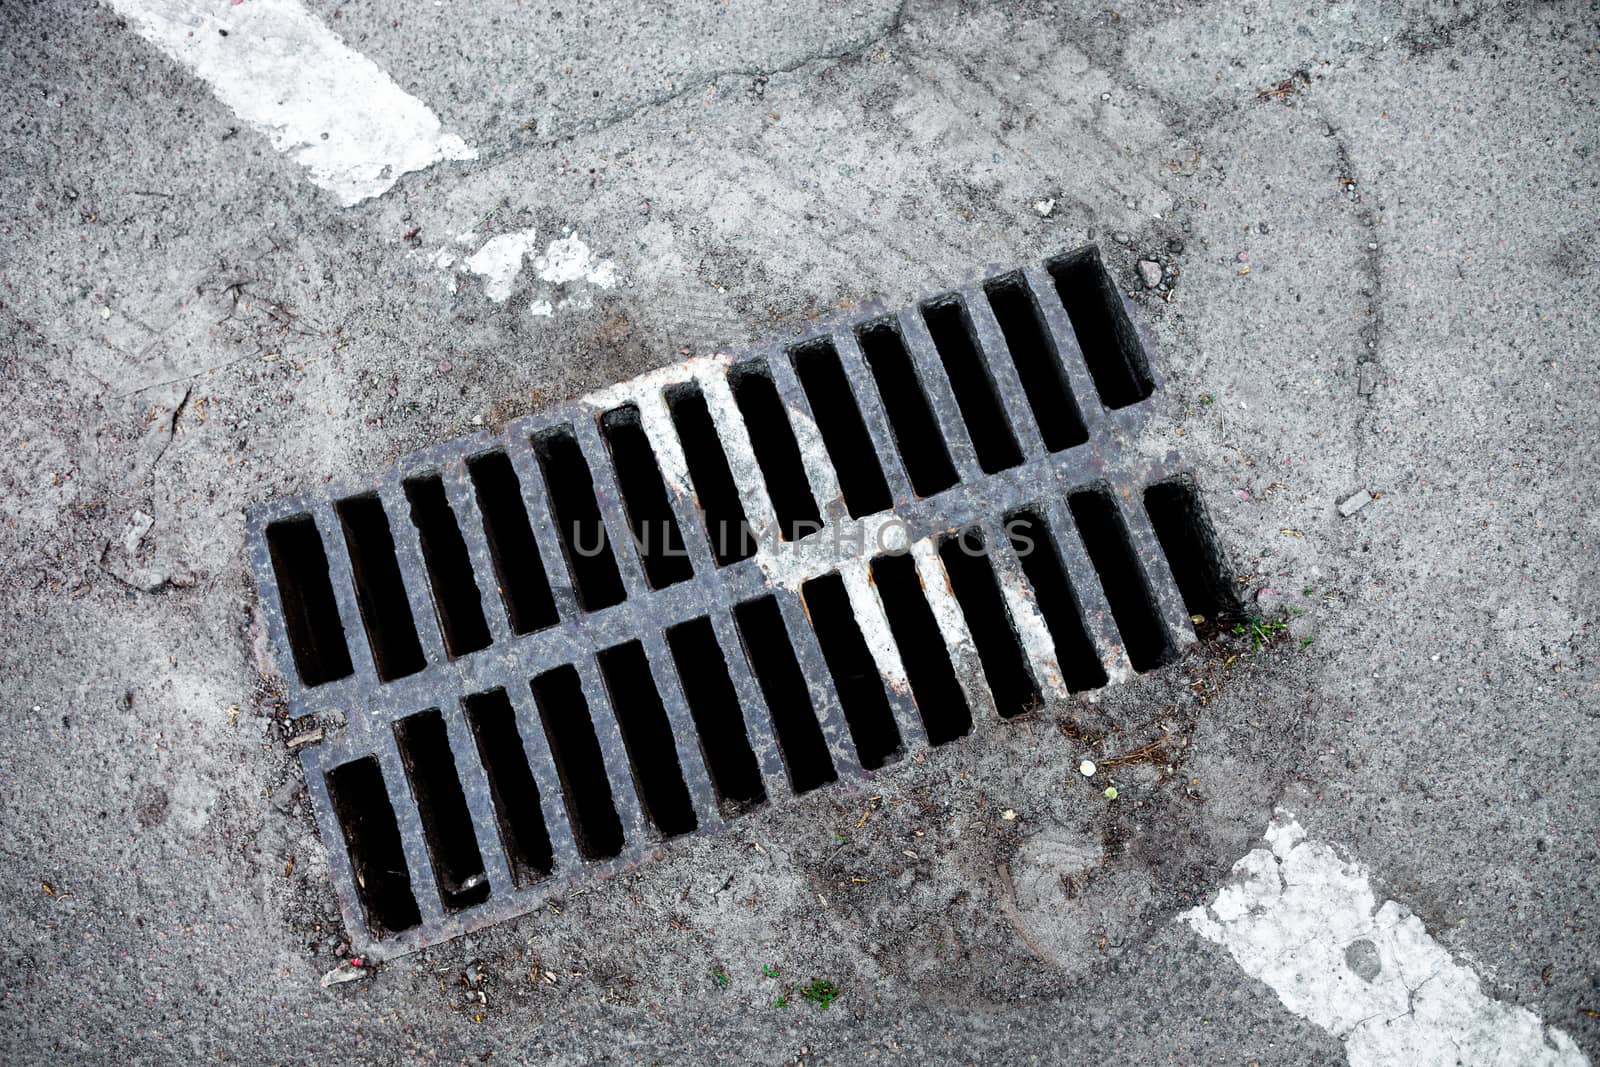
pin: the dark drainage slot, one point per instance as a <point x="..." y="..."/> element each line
<point x="310" y="612"/>
<point x="1109" y="342"/>
<point x="1039" y="366"/>
<point x="772" y="658"/>
<point x="524" y="585"/>
<point x="372" y="839"/>
<point x="493" y="722"/>
<point x="647" y="734"/>
<point x="714" y="705"/>
<point x="644" y="497"/>
<point x="1081" y="668"/>
<point x="450" y="577"/>
<point x="1191" y="547"/>
<point x="970" y="378"/>
<point x="380" y="591"/>
<point x="715" y="490"/>
<point x="966" y="561"/>
<point x="916" y="431"/>
<point x="576" y="749"/>
<point x="1132" y="605"/>
<point x="577" y="517"/>
<point x="777" y="452"/>
<point x="844" y="434"/>
<point x="855" y="673"/>
<point x="446" y="822"/>
<point x="940" y="700"/>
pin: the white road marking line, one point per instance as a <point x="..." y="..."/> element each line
<point x="1307" y="924"/>
<point x="279" y="68"/>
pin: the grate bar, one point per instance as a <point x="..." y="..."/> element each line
<point x="936" y="386"/>
<point x="873" y="415"/>
<point x="691" y="760"/>
<point x="469" y="520"/>
<point x="1037" y="645"/>
<point x="475" y="786"/>
<point x="535" y="497"/>
<point x="413" y="840"/>
<point x="563" y="846"/>
<point x="608" y="496"/>
<point x="413" y="571"/>
<point x="869" y="613"/>
<point x="824" y="697"/>
<point x="343" y="575"/>
<point x="758" y="724"/>
<point x="820" y="476"/>
<point x="1018" y="412"/>
<point x="1059" y="328"/>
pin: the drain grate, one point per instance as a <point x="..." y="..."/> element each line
<point x="724" y="582"/>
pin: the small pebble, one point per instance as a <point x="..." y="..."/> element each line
<point x="1087" y="768"/>
<point x="1150" y="273"/>
<point x="1367" y="378"/>
<point x="1044" y="207"/>
<point x="1121" y="238"/>
<point x="1355" y="503"/>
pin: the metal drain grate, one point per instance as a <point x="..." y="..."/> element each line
<point x="721" y="583"/>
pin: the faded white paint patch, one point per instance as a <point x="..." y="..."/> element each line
<point x="328" y="107"/>
<point x="570" y="260"/>
<point x="499" y="261"/>
<point x="1308" y="924"/>
<point x="565" y="274"/>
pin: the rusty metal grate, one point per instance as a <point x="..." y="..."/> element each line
<point x="727" y="581"/>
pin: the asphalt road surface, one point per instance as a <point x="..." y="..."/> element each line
<point x="251" y="246"/>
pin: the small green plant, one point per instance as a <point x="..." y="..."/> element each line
<point x="820" y="991"/>
<point x="1305" y="642"/>
<point x="1308" y="590"/>
<point x="769" y="970"/>
<point x="1207" y="399"/>
<point x="1260" y="631"/>
<point x="781" y="1002"/>
<point x="721" y="978"/>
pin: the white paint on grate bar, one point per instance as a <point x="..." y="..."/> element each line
<point x="844" y="545"/>
<point x="952" y="626"/>
<point x="874" y="626"/>
<point x="325" y="105"/>
<point x="814" y="455"/>
<point x="1037" y="644"/>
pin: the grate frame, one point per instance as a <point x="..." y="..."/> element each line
<point x="1043" y="482"/>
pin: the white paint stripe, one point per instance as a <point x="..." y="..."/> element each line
<point x="1307" y="924"/>
<point x="327" y="106"/>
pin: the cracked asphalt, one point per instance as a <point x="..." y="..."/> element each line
<point x="1376" y="237"/>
